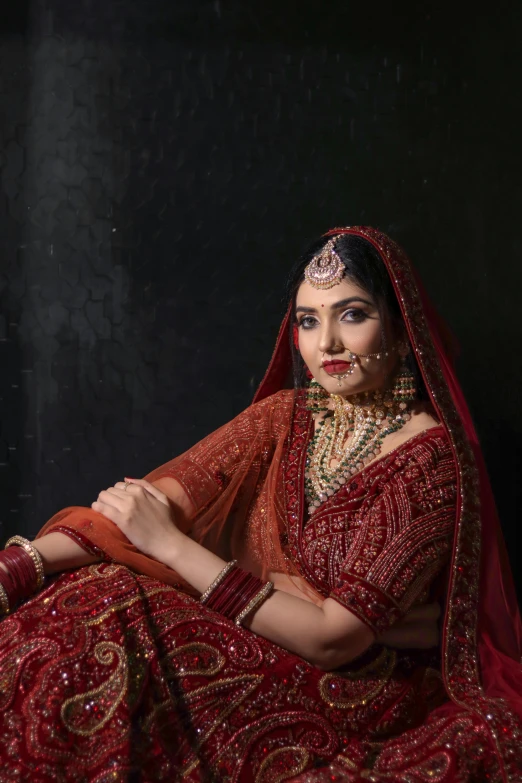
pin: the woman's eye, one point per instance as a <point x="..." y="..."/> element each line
<point x="354" y="315"/>
<point x="308" y="322"/>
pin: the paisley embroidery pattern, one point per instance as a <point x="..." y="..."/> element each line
<point x="86" y="713"/>
<point x="114" y="650"/>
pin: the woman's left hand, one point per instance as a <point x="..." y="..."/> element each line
<point x="142" y="513"/>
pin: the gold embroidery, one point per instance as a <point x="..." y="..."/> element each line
<point x="296" y="762"/>
<point x="13" y="664"/>
<point x="212" y="703"/>
<point x="117" y="607"/>
<point x="362" y="685"/>
<point x="196" y="658"/>
<point x="86" y="713"/>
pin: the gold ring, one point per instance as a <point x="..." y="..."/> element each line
<point x="126" y="485"/>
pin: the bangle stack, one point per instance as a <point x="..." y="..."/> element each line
<point x="33" y="553"/>
<point x="23" y="573"/>
<point x="235" y="593"/>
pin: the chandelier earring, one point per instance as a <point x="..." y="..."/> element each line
<point x="404" y="388"/>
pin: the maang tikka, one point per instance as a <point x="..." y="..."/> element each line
<point x="326" y="269"/>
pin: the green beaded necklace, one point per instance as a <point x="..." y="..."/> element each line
<point x="368" y="422"/>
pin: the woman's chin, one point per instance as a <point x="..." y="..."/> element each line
<point x="347" y="386"/>
<point x="344" y="388"/>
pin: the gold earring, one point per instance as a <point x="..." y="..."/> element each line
<point x="404" y="389"/>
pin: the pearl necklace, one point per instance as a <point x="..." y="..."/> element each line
<point x="368" y="422"/>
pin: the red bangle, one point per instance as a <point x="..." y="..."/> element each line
<point x="226" y="593"/>
<point x="255" y="603"/>
<point x="21" y="569"/>
<point x="20" y="580"/>
<point x="249" y="587"/>
<point x="222" y="593"/>
<point x="234" y="592"/>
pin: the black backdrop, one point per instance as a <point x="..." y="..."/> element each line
<point x="162" y="164"/>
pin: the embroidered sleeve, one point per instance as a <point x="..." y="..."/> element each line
<point x="240" y="447"/>
<point x="82" y="540"/>
<point x="404" y="539"/>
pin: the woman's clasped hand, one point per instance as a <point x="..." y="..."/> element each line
<point x="142" y="512"/>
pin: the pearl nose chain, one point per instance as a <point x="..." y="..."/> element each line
<point x="353" y="357"/>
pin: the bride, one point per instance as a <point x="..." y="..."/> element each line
<point x="263" y="607"/>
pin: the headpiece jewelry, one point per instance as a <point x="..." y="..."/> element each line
<point x="326" y="269"/>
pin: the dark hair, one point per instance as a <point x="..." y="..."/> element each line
<point x="366" y="269"/>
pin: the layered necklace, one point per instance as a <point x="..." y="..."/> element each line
<point x="351" y="436"/>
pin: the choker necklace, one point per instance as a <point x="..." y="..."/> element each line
<point x="368" y="420"/>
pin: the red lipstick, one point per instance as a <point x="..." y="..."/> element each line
<point x="336" y="367"/>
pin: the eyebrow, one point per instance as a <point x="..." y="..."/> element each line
<point x="336" y="305"/>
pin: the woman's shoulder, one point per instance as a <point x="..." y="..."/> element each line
<point x="426" y="456"/>
<point x="271" y="412"/>
<point x="282" y="400"/>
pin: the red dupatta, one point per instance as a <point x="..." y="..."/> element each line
<point x="482" y="629"/>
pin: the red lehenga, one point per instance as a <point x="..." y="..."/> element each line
<point x="116" y="672"/>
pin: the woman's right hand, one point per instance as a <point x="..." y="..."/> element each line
<point x="418" y="629"/>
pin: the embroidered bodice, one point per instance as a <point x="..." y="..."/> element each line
<point x="380" y="540"/>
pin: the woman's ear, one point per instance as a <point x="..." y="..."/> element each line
<point x="401" y="340"/>
<point x="295" y="337"/>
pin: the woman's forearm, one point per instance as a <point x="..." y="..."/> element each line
<point x="326" y="636"/>
<point x="60" y="553"/>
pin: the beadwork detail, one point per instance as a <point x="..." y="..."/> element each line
<point x="33" y="553"/>
<point x="366" y="424"/>
<point x="326" y="269"/>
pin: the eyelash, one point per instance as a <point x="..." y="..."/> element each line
<point x="360" y="313"/>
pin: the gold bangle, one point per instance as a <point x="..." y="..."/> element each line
<point x="255" y="602"/>
<point x="217" y="581"/>
<point x="4" y="600"/>
<point x="33" y="553"/>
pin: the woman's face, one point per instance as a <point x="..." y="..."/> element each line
<point x="339" y="321"/>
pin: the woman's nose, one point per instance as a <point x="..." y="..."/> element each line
<point x="329" y="341"/>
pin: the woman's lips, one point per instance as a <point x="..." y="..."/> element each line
<point x="336" y="368"/>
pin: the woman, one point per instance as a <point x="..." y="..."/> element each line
<point x="349" y="503"/>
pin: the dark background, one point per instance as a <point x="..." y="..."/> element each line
<point x="162" y="164"/>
